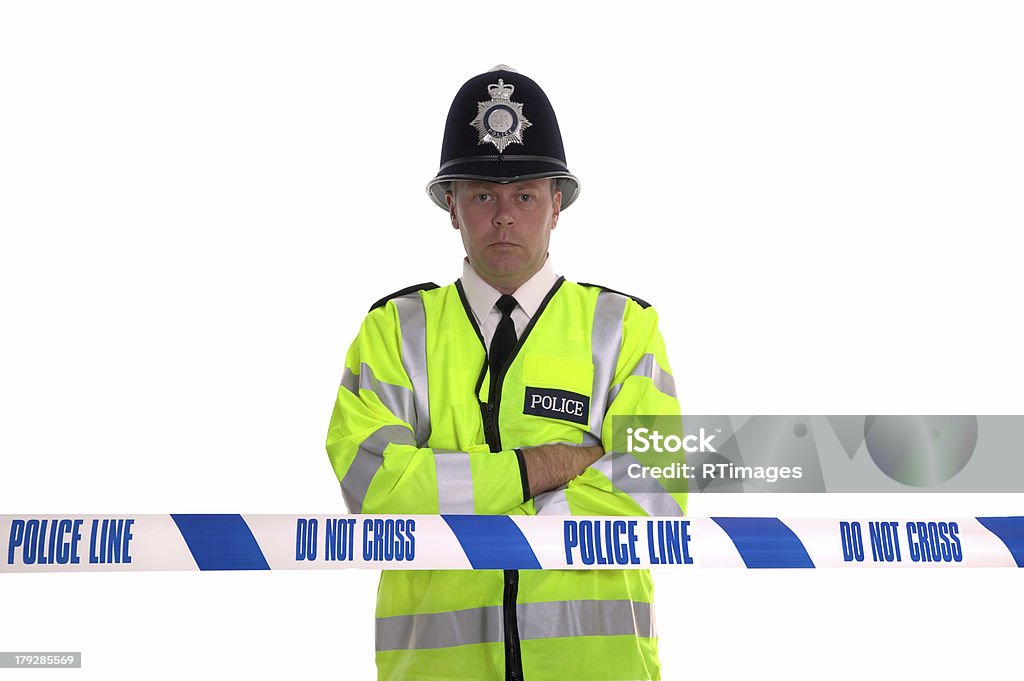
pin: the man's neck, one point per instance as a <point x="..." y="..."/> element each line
<point x="508" y="286"/>
<point x="508" y="289"/>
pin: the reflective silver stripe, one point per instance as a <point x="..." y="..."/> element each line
<point x="368" y="460"/>
<point x="559" y="619"/>
<point x="663" y="381"/>
<point x="614" y="392"/>
<point x="649" y="367"/>
<point x="555" y="619"/>
<point x="552" y="502"/>
<point x="397" y="399"/>
<point x="440" y="630"/>
<point x="605" y="343"/>
<point x="645" y="491"/>
<point x="412" y="318"/>
<point x="350" y="382"/>
<point x="454" y="482"/>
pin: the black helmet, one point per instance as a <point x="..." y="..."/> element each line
<point x="501" y="128"/>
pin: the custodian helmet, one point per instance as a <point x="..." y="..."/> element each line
<point x="501" y="128"/>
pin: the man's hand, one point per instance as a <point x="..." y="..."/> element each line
<point x="551" y="466"/>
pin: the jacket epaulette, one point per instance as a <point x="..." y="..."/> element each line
<point x="642" y="303"/>
<point x="405" y="291"/>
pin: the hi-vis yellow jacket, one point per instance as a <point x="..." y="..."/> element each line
<point x="420" y="426"/>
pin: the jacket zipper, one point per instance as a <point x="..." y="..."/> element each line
<point x="490" y="426"/>
<point x="513" y="663"/>
<point x="513" y="659"/>
<point x="489" y="412"/>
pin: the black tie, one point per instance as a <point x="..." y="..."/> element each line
<point x="504" y="335"/>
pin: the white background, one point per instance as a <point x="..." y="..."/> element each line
<point x="199" y="200"/>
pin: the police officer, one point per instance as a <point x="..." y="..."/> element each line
<point x="495" y="395"/>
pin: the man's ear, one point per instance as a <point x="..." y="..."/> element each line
<point x="557" y="199"/>
<point x="449" y="198"/>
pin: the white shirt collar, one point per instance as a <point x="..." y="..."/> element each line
<point x="482" y="296"/>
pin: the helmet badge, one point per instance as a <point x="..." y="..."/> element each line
<point x="500" y="121"/>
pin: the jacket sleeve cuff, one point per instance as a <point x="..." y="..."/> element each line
<point x="523" y="476"/>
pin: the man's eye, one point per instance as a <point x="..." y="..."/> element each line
<point x="526" y="197"/>
<point x="483" y="197"/>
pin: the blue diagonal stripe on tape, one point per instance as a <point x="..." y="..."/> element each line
<point x="220" y="541"/>
<point x="492" y="542"/>
<point x="1011" y="532"/>
<point x="765" y="543"/>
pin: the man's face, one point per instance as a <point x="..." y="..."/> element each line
<point x="505" y="227"/>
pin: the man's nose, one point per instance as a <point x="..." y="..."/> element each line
<point x="504" y="213"/>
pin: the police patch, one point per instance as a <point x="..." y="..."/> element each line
<point x="500" y="121"/>
<point x="557" y="404"/>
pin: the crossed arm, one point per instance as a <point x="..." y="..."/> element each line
<point x="554" y="465"/>
<point x="373" y="447"/>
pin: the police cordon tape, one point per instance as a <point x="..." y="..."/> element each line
<point x="115" y="543"/>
